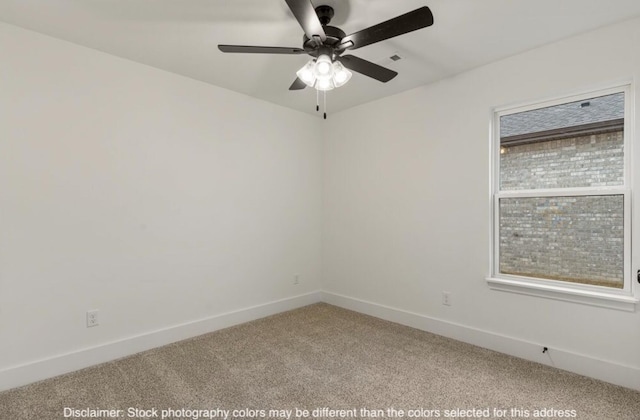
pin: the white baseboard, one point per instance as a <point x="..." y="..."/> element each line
<point x="42" y="369"/>
<point x="57" y="365"/>
<point x="607" y="371"/>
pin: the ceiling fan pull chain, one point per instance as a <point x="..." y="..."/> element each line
<point x="317" y="100"/>
<point x="325" y="104"/>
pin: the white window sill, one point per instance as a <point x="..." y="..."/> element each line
<point x="585" y="297"/>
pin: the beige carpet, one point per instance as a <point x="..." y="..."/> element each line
<point x="320" y="357"/>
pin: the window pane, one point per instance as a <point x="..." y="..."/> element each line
<point x="575" y="239"/>
<point x="588" y="161"/>
<point x="578" y="144"/>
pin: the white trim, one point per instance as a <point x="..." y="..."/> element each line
<point x="629" y="163"/>
<point x="567" y="294"/>
<point x="57" y="365"/>
<point x="564" y="192"/>
<point x="604" y="370"/>
<point x="563" y="99"/>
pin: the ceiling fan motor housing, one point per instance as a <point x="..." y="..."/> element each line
<point x="315" y="47"/>
<point x="334" y="36"/>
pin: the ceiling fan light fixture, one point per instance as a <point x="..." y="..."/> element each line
<point x="306" y="73"/>
<point x="323" y="74"/>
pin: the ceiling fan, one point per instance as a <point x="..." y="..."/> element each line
<point x="328" y="68"/>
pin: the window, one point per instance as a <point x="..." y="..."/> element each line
<point x="561" y="194"/>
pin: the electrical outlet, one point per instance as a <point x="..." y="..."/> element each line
<point x="92" y="318"/>
<point x="446" y="298"/>
<point x="296" y="279"/>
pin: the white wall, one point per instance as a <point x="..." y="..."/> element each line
<point x="156" y="199"/>
<point x="407" y="209"/>
<point x="172" y="205"/>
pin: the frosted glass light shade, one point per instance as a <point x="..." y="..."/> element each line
<point x="306" y="73"/>
<point x="341" y="74"/>
<point x="324" y="67"/>
<point x="325" y="84"/>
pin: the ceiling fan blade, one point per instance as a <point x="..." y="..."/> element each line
<point x="298" y="84"/>
<point x="259" y="50"/>
<point x="409" y="22"/>
<point x="306" y="15"/>
<point x="368" y="68"/>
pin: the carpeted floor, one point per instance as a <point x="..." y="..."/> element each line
<point x="320" y="358"/>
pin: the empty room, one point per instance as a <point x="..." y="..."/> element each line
<point x="319" y="209"/>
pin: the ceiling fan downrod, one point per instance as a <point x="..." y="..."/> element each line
<point x="325" y="14"/>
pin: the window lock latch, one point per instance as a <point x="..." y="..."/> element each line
<point x="638" y="277"/>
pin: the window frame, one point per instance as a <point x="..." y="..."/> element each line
<point x="602" y="296"/>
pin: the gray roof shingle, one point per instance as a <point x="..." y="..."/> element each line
<point x="600" y="109"/>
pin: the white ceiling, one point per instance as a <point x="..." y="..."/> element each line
<point x="181" y="36"/>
